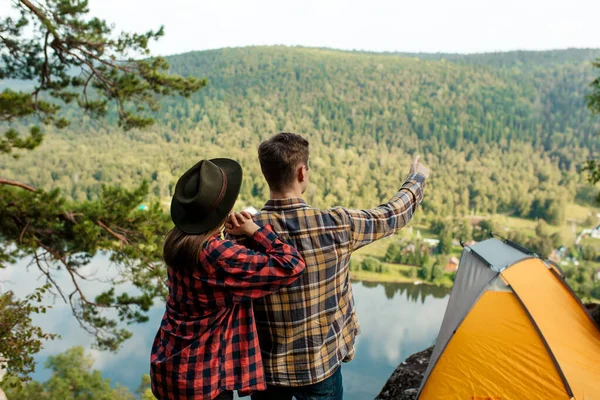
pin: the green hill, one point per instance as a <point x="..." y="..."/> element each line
<point x="502" y="132"/>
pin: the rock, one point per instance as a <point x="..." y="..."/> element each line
<point x="594" y="310"/>
<point x="404" y="382"/>
<point x="406" y="379"/>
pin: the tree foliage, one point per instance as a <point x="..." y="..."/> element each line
<point x="445" y="245"/>
<point x="500" y="137"/>
<point x="371" y="264"/>
<point x="593" y="166"/>
<point x="72" y="379"/>
<point x="59" y="235"/>
<point x="20" y="338"/>
<point x="62" y="61"/>
<point x="145" y="389"/>
<point x="437" y="271"/>
<point x="409" y="253"/>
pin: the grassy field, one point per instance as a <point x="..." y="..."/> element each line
<point x="580" y="212"/>
<point x="396" y="277"/>
<point x="590" y="242"/>
<point x="575" y="212"/>
<point x="376" y="249"/>
<point x="391" y="276"/>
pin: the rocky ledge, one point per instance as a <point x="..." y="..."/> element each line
<point x="404" y="382"/>
<point x="406" y="379"/>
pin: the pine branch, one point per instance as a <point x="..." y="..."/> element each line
<point x="39" y="14"/>
<point x="117" y="236"/>
<point x="70" y="234"/>
<point x="48" y="276"/>
<point x="17" y="184"/>
<point x="66" y="40"/>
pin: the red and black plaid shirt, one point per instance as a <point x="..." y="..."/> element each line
<point x="207" y="341"/>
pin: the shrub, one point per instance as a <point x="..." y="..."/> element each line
<point x="371" y="264"/>
<point x="590" y="253"/>
<point x="392" y="253"/>
<point x="424" y="273"/>
<point x="436" y="272"/>
<point x="354" y="265"/>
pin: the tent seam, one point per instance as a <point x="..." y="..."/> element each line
<point x="572" y="293"/>
<point x="485" y="288"/>
<point x="531" y="257"/>
<point x="546" y="345"/>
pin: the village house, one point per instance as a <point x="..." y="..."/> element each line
<point x="452" y="265"/>
<point x="558" y="255"/>
<point x="431" y="242"/>
<point x="411" y="248"/>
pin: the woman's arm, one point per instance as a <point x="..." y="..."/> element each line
<point x="250" y="274"/>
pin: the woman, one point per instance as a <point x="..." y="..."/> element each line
<point x="207" y="344"/>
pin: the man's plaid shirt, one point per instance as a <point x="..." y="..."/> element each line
<point x="307" y="329"/>
<point x="207" y="341"/>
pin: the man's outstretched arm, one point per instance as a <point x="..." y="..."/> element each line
<point x="376" y="223"/>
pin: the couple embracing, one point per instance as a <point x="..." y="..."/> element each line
<point x="268" y="310"/>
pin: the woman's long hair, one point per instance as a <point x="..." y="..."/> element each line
<point x="182" y="249"/>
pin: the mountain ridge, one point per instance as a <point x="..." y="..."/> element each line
<point x="585" y="52"/>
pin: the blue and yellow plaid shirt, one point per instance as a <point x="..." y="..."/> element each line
<point x="307" y="329"/>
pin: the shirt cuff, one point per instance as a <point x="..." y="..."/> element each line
<point x="265" y="237"/>
<point x="414" y="184"/>
<point x="416" y="177"/>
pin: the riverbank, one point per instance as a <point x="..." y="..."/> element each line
<point x="392" y="272"/>
<point x="397" y="277"/>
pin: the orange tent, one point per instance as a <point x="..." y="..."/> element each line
<point x="513" y="330"/>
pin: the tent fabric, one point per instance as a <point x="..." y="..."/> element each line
<point x="499" y="254"/>
<point x="495" y="354"/>
<point x="471" y="280"/>
<point x="513" y="329"/>
<point x="571" y="335"/>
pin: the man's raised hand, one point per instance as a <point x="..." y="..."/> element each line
<point x="417" y="168"/>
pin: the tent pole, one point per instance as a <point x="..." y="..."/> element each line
<point x="479" y="256"/>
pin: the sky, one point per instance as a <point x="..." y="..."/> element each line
<point x="456" y="26"/>
<point x="464" y="26"/>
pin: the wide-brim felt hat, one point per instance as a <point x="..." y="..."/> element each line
<point x="205" y="195"/>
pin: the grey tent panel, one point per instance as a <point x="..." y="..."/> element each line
<point x="498" y="254"/>
<point x="472" y="279"/>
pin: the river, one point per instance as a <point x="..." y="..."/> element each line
<point x="397" y="319"/>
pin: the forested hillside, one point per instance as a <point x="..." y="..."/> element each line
<point x="503" y="133"/>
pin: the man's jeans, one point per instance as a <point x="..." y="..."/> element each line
<point x="329" y="389"/>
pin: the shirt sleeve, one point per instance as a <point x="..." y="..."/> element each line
<point x="241" y="240"/>
<point x="368" y="226"/>
<point x="251" y="274"/>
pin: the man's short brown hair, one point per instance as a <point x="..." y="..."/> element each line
<point x="279" y="158"/>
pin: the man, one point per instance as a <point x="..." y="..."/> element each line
<point x="308" y="329"/>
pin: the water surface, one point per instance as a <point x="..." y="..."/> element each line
<point x="396" y="320"/>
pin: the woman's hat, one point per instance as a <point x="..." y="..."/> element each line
<point x="205" y="195"/>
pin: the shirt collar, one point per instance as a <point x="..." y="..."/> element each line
<point x="284" y="204"/>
